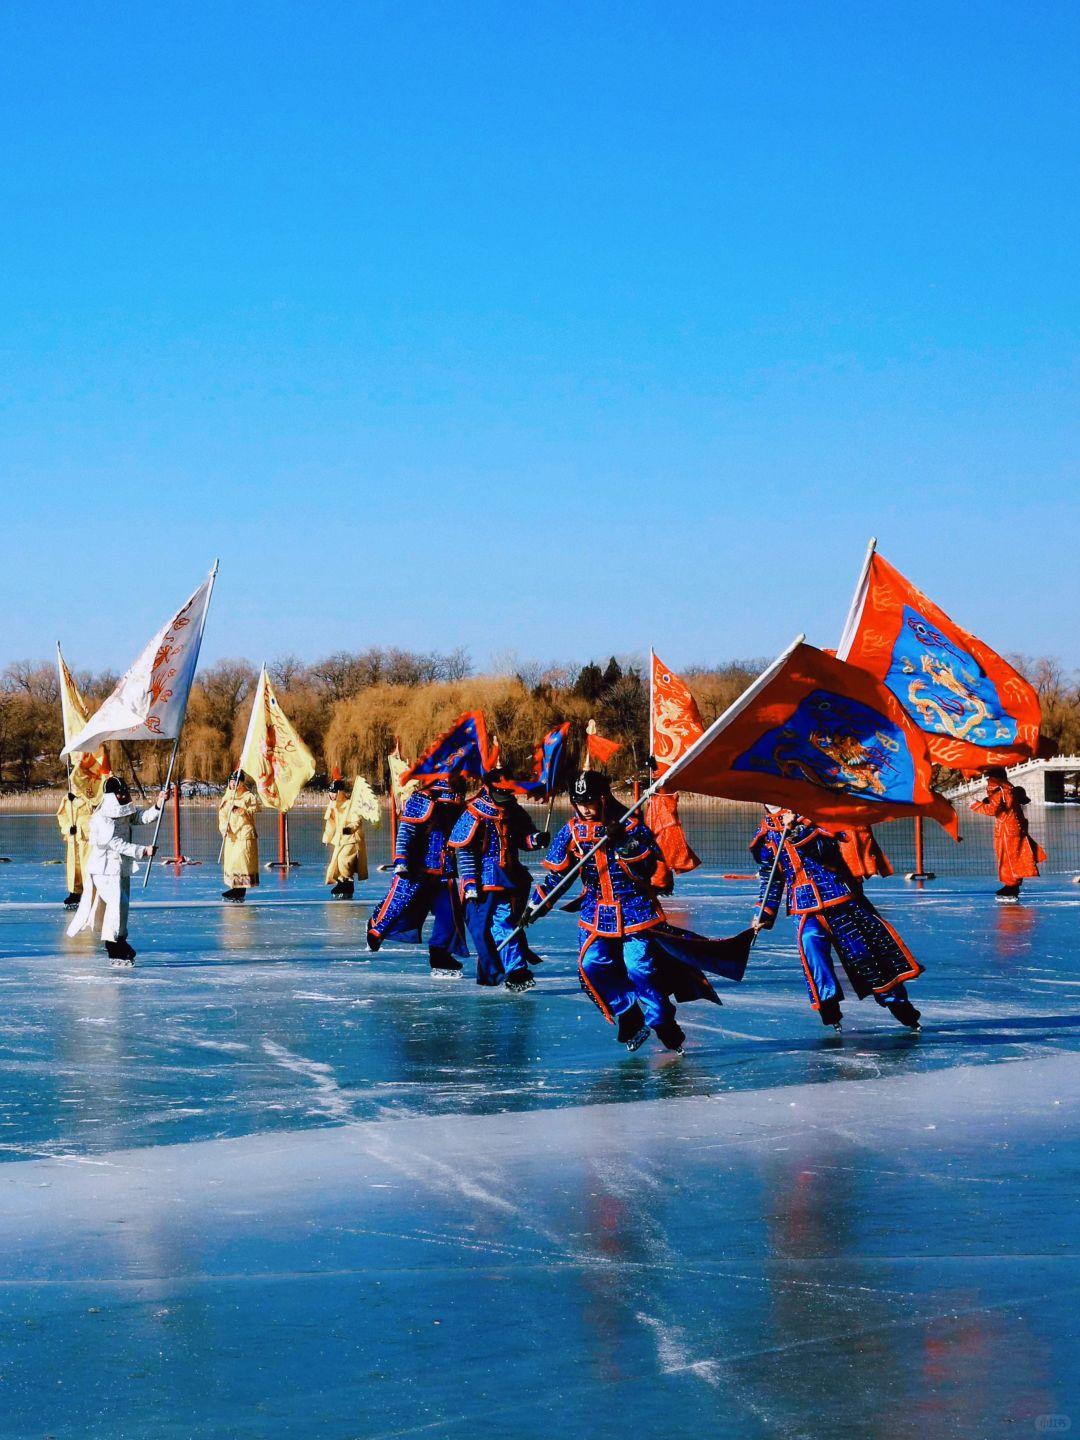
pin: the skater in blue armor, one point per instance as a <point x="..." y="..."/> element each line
<point x="833" y="916"/>
<point x="632" y="963"/>
<point x="486" y="841"/>
<point x="424" y="881"/>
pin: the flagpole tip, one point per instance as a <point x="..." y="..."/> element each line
<point x="872" y="545"/>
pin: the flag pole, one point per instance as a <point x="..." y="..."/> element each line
<point x="731" y="713"/>
<point x="858" y="600"/>
<point x="180" y="726"/>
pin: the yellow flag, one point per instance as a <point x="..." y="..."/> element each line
<point x="274" y="755"/>
<point x="364" y="804"/>
<point x="398" y="767"/>
<point x="88" y="769"/>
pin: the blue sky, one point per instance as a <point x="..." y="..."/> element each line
<point x="567" y="329"/>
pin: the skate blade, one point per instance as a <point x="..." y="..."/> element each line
<point x="636" y="1041"/>
<point x="446" y="974"/>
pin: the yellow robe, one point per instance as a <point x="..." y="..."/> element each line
<point x="236" y="821"/>
<point x="348" y="853"/>
<point x="77" y="812"/>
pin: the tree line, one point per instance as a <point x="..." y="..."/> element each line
<point x="352" y="707"/>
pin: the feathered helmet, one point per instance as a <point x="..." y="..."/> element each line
<point x="589" y="787"/>
<point x="338" y="786"/>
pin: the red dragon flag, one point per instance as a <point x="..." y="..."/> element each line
<point x="149" y="701"/>
<point x="274" y="755"/>
<point x="820" y="737"/>
<point x="973" y="707"/>
<point x="675" y="721"/>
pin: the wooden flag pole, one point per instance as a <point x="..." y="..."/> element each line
<point x="180" y="726"/>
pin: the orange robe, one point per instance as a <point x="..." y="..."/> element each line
<point x="1018" y="855"/>
<point x="662" y="818"/>
<point x="862" y="854"/>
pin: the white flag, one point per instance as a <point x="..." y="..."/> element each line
<point x="149" y="701"/>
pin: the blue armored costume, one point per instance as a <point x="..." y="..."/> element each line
<point x="423" y="881"/>
<point x="631" y="962"/>
<point x="486" y="840"/>
<point x="833" y="915"/>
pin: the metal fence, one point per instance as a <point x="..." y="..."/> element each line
<point x="719" y="831"/>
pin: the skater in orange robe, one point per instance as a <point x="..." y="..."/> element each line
<point x="1018" y="855"/>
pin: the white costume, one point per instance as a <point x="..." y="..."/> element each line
<point x="110" y="862"/>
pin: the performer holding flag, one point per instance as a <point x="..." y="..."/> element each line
<point x="239" y="837"/>
<point x="110" y="863"/>
<point x="149" y="701"/>
<point x="631" y="962"/>
<point x="423" y="862"/>
<point x="344" y="818"/>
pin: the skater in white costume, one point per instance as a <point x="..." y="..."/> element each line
<point x="110" y="862"/>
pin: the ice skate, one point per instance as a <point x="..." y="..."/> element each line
<point x="831" y="1015"/>
<point x="905" y="1012"/>
<point x="71" y="902"/>
<point x="520" y="981"/>
<point x="234" y="895"/>
<point x="633" y="1032"/>
<point x="448" y="969"/>
<point x="670" y="1035"/>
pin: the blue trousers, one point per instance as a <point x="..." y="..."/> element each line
<point x="490" y="920"/>
<point x="408" y="904"/>
<point x="620" y="972"/>
<point x="816" y="953"/>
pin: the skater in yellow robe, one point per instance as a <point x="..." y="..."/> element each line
<point x="343" y="831"/>
<point x="236" y="822"/>
<point x="73" y="818"/>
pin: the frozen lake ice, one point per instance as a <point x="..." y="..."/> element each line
<point x="269" y="1185"/>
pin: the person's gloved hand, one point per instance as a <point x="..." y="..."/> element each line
<point x="346" y="829"/>
<point x="469" y="893"/>
<point x="542" y="839"/>
<point x="72" y="830"/>
<point x="402" y="871"/>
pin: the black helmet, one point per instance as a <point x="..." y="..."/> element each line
<point x="118" y="786"/>
<point x="339" y="787"/>
<point x="589" y="787"/>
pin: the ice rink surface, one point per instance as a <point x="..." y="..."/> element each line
<point x="267" y="1185"/>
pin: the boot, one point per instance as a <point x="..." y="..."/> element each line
<point x="520" y="980"/>
<point x="443" y="964"/>
<point x="905" y="1012"/>
<point x="347" y="889"/>
<point x="71" y="902"/>
<point x="235" y="894"/>
<point x="374" y="940"/>
<point x="633" y="1032"/>
<point x="1008" y="893"/>
<point x="830" y="1012"/>
<point x="120" y="953"/>
<point x="670" y="1035"/>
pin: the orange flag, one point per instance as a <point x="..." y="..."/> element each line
<point x="597" y="748"/>
<point x="972" y="706"/>
<point x="675" y="721"/>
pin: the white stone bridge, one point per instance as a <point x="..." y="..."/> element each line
<point x="1047" y="782"/>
